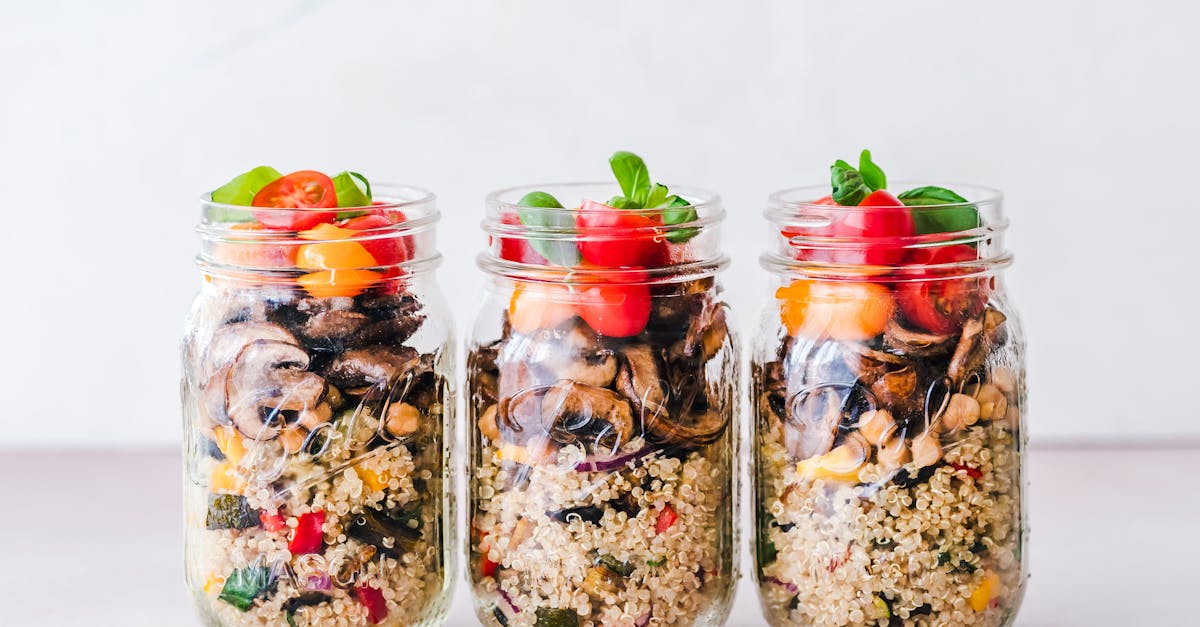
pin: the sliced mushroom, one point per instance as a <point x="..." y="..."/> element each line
<point x="994" y="326"/>
<point x="640" y="383"/>
<point x="267" y="379"/>
<point x="705" y="335"/>
<point x="579" y="356"/>
<point x="230" y="339"/>
<point x="694" y="429"/>
<point x="572" y="412"/>
<point x="916" y="343"/>
<point x="968" y="354"/>
<point x="813" y="418"/>
<point x="488" y="425"/>
<point x="377" y="366"/>
<point x="898" y="390"/>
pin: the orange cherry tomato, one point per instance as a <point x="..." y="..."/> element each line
<point x="839" y="310"/>
<point x="536" y="306"/>
<point x="332" y="283"/>
<point x="330" y="254"/>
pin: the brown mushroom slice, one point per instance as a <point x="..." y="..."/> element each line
<point x="580" y="357"/>
<point x="813" y="417"/>
<point x="335" y="325"/>
<point x="698" y="429"/>
<point x="268" y="378"/>
<point x="230" y="339"/>
<point x="898" y="390"/>
<point x="377" y="366"/>
<point x="573" y="411"/>
<point x="639" y="381"/>
<point x="968" y="354"/>
<point x="916" y="343"/>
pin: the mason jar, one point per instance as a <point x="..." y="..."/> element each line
<point x="602" y="403"/>
<point x="889" y="432"/>
<point x="317" y="411"/>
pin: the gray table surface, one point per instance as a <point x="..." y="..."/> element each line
<point x="94" y="539"/>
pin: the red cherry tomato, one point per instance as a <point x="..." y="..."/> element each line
<point x="614" y="309"/>
<point x="937" y="302"/>
<point x="388" y="250"/>
<point x="516" y="249"/>
<point x="617" y="238"/>
<point x="881" y="228"/>
<point x="306" y="189"/>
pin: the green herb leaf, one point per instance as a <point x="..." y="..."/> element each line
<point x="241" y="191"/>
<point x="872" y="174"/>
<point x="621" y="202"/>
<point x="679" y="211"/>
<point x="960" y="217"/>
<point x="849" y="188"/>
<point x="632" y="174"/>
<point x="353" y="190"/>
<point x="658" y="196"/>
<point x="244" y="585"/>
<point x="555" y="617"/>
<point x="532" y="213"/>
<point x="656" y="562"/>
<point x="621" y="568"/>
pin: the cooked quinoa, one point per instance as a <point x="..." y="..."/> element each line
<point x="881" y="554"/>
<point x="546" y="559"/>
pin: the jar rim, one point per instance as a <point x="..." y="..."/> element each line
<point x="389" y="197"/>
<point x="800" y="222"/>
<point x="699" y="256"/>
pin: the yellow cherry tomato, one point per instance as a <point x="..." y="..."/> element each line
<point x="835" y="309"/>
<point x="331" y="283"/>
<point x="987" y="590"/>
<point x="539" y="306"/>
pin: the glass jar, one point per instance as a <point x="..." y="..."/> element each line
<point x="602" y="402"/>
<point x="318" y="414"/>
<point x="889" y="403"/>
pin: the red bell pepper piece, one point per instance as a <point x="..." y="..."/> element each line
<point x="973" y="473"/>
<point x="666" y="519"/>
<point x="373" y="600"/>
<point x="309" y="537"/>
<point x="272" y="522"/>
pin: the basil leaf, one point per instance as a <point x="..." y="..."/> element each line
<point x="942" y="219"/>
<point x="872" y="174"/>
<point x="658" y="196"/>
<point x="532" y="213"/>
<point x="352" y="190"/>
<point x="849" y="189"/>
<point x="621" y="202"/>
<point x="679" y="211"/>
<point x="241" y="191"/>
<point x="632" y="174"/>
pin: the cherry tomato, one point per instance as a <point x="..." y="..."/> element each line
<point x="516" y="249"/>
<point x="617" y="238"/>
<point x="306" y="189"/>
<point x="937" y="302"/>
<point x="536" y="306"/>
<point x="614" y="309"/>
<point x="244" y="248"/>
<point x="834" y="309"/>
<point x="387" y="251"/>
<point x="881" y="229"/>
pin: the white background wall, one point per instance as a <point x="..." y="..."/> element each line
<point x="115" y="116"/>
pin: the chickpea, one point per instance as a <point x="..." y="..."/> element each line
<point x="402" y="419"/>
<point x="926" y="450"/>
<point x="487" y="424"/>
<point x="962" y="411"/>
<point x="893" y="453"/>
<point x="992" y="402"/>
<point x="292" y="439"/>
<point x="315" y="417"/>
<point x="876" y="425"/>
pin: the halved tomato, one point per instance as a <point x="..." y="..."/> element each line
<point x="306" y="189"/>
<point x="614" y="309"/>
<point x="939" y="303"/>
<point x="387" y="249"/>
<point x="617" y="238"/>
